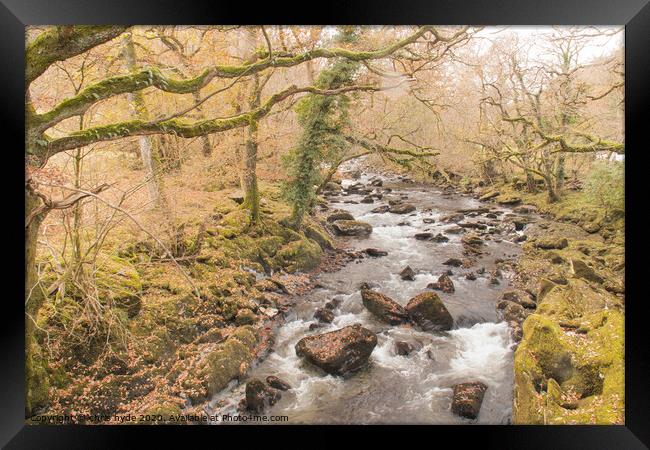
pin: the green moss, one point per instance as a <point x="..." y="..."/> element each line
<point x="119" y="282"/>
<point x="301" y="255"/>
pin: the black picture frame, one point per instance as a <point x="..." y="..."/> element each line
<point x="634" y="14"/>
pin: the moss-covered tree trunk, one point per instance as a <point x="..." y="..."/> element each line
<point x="35" y="382"/>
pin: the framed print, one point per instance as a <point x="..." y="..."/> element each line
<point x="379" y="215"/>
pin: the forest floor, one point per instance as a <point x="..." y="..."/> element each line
<point x="165" y="350"/>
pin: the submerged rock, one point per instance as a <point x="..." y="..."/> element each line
<point x="423" y="236"/>
<point x="455" y="262"/>
<point x="383" y="307"/>
<point x="352" y="228"/>
<point x="375" y="252"/>
<point x="402" y="208"/>
<point x="403" y="348"/>
<point x="259" y="396"/>
<point x="407" y="274"/>
<point x="429" y="312"/>
<point x="380" y="209"/>
<point x="338" y="352"/>
<point x="277" y="383"/>
<point x="467" y="399"/>
<point x="324" y="315"/>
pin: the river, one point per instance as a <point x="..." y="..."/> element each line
<point x="394" y="389"/>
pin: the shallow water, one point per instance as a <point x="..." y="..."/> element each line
<point x="393" y="388"/>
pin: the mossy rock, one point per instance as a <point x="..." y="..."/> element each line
<point x="119" y="282"/>
<point x="234" y="223"/>
<point x="245" y="317"/>
<point x="299" y="256"/>
<point x="320" y="236"/>
<point x="229" y="361"/>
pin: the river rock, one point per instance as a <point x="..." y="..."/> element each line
<point x="339" y="215"/>
<point x="367" y="199"/>
<point x="580" y="269"/>
<point x="423" y="236"/>
<point x="525" y="209"/>
<point x="376" y="182"/>
<point x="375" y="252"/>
<point x="489" y="196"/>
<point x="455" y="262"/>
<point x="324" y="315"/>
<point x="454" y="230"/>
<point x="380" y="209"/>
<point x="508" y="200"/>
<point x="456" y="217"/>
<point x="471" y="276"/>
<point x="519" y="297"/>
<point x="402" y="208"/>
<point x="352" y="228"/>
<point x="277" y="383"/>
<point x="551" y="243"/>
<point x="472" y="240"/>
<point x="259" y="396"/>
<point x="428" y="220"/>
<point x="511" y="311"/>
<point x="443" y="284"/>
<point x="330" y="186"/>
<point x="467" y="399"/>
<point x="407" y="274"/>
<point x="383" y="307"/>
<point x="440" y="238"/>
<point x="429" y="312"/>
<point x="403" y="348"/>
<point x="338" y="352"/>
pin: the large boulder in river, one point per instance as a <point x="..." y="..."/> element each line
<point x="352" y="228"/>
<point x="339" y="215"/>
<point x="428" y="311"/>
<point x="338" y="352"/>
<point x="467" y="399"/>
<point x="402" y="208"/>
<point x="383" y="307"/>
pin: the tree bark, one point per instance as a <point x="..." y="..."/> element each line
<point x="145" y="142"/>
<point x="34" y="299"/>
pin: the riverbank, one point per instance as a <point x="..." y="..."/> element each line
<point x="569" y="365"/>
<point x="164" y="350"/>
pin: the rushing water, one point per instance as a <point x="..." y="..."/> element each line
<point x="393" y="388"/>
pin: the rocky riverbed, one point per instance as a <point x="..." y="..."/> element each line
<point x="420" y="326"/>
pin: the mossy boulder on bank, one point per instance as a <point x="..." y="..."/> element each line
<point x="570" y="378"/>
<point x="227" y="361"/>
<point x="299" y="256"/>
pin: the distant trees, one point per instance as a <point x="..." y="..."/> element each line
<point x="538" y="112"/>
